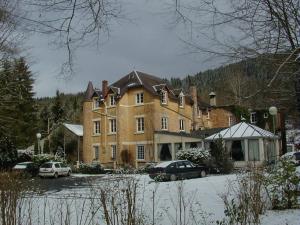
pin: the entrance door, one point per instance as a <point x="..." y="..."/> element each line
<point x="165" y="154"/>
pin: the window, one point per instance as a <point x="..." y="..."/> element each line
<point x="199" y="113"/>
<point x="253" y="118"/>
<point x="140" y="152"/>
<point x="181" y="100"/>
<point x="181" y="125"/>
<point x="140" y="125"/>
<point x="253" y="150"/>
<point x="163" y="97"/>
<point x="112" y="100"/>
<point x="113" y="125"/>
<point x="96" y="103"/>
<point x="139" y="98"/>
<point x="96" y="127"/>
<point x="230" y="121"/>
<point x="266" y="115"/>
<point x="96" y="152"/>
<point x="164" y="123"/>
<point x="113" y="151"/>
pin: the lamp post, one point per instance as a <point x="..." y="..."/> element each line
<point x="273" y="112"/>
<point x="38" y="136"/>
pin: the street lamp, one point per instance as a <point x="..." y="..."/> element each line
<point x="273" y="112"/>
<point x="38" y="136"/>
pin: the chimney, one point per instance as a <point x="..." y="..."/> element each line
<point x="104" y="88"/>
<point x="193" y="93"/>
<point x="212" y="99"/>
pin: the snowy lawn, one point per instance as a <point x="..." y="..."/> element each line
<point x="200" y="197"/>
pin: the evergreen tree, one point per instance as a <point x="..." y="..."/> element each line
<point x="57" y="110"/>
<point x="17" y="106"/>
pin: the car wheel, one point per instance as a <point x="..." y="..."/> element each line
<point x="56" y="175"/>
<point x="202" y="173"/>
<point x="173" y="177"/>
<point x="69" y="173"/>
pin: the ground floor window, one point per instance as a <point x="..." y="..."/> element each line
<point x="140" y="152"/>
<point x="96" y="152"/>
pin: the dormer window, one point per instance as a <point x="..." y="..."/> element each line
<point x="253" y="118"/>
<point x="163" y="97"/>
<point x="112" y="100"/>
<point x="199" y="113"/>
<point x="96" y="103"/>
<point x="181" y="100"/>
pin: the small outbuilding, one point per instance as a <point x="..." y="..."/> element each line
<point x="248" y="143"/>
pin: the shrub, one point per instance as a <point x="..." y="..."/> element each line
<point x="8" y="152"/>
<point x="195" y="155"/>
<point x="94" y="168"/>
<point x="282" y="184"/>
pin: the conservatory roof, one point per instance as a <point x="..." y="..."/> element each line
<point x="75" y="128"/>
<point x="242" y="130"/>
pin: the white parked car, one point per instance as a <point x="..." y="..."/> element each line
<point x="54" y="169"/>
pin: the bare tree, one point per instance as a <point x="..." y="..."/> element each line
<point x="71" y="23"/>
<point x="244" y="29"/>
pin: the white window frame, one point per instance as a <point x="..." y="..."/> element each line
<point x="140" y="124"/>
<point x="164" y="97"/>
<point x="96" y="129"/>
<point x="112" y="100"/>
<point x="112" y="126"/>
<point x="164" y="123"/>
<point x="94" y="150"/>
<point x="114" y="152"/>
<point x="199" y="113"/>
<point x="181" y="125"/>
<point x="253" y="117"/>
<point x="266" y="115"/>
<point x="181" y="101"/>
<point x="139" y="98"/>
<point x="140" y="151"/>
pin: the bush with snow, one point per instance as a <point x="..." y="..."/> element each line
<point x="195" y="155"/>
<point x="283" y="182"/>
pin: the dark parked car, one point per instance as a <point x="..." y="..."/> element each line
<point x="27" y="168"/>
<point x="178" y="169"/>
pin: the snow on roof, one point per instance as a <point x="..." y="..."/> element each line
<point x="75" y="128"/>
<point x="242" y="130"/>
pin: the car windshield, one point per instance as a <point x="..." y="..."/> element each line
<point x="46" y="165"/>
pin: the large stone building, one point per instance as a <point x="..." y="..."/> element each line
<point x="140" y="118"/>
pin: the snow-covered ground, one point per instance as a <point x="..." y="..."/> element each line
<point x="200" y="198"/>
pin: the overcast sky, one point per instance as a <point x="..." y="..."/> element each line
<point x="147" y="43"/>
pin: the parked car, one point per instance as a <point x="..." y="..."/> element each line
<point x="293" y="156"/>
<point x="178" y="169"/>
<point x="54" y="169"/>
<point x="26" y="167"/>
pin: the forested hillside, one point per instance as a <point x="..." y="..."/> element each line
<point x="61" y="108"/>
<point x="236" y="83"/>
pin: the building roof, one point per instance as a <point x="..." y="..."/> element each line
<point x="89" y="91"/>
<point x="182" y="134"/>
<point x="242" y="130"/>
<point x="206" y="132"/>
<point x="74" y="128"/>
<point x="134" y="79"/>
